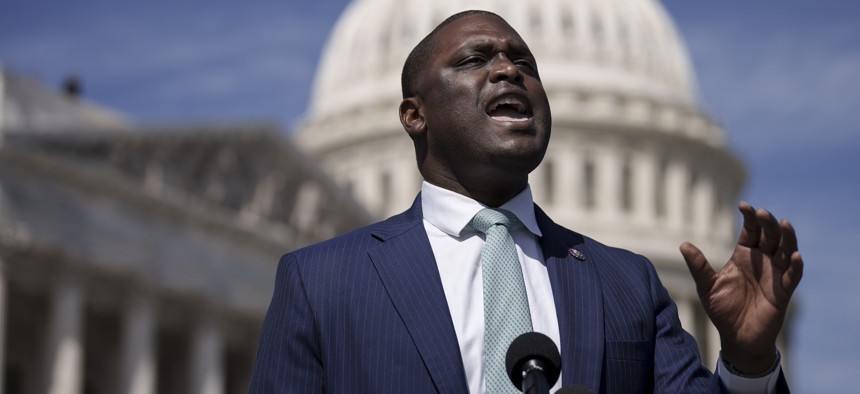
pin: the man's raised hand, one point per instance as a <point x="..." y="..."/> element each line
<point x="748" y="298"/>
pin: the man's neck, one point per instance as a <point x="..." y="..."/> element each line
<point x="487" y="192"/>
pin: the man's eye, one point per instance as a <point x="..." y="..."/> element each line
<point x="525" y="64"/>
<point x="473" y="60"/>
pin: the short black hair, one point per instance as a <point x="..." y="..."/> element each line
<point x="424" y="50"/>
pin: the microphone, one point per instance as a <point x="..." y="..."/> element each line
<point x="533" y="363"/>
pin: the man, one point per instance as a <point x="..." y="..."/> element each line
<point x="398" y="307"/>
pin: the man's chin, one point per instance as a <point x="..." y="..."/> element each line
<point x="519" y="161"/>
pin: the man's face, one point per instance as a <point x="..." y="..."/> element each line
<point x="484" y="104"/>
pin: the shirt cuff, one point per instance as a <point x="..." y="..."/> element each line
<point x="737" y="384"/>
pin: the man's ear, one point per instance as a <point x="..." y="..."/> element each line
<point x="412" y="117"/>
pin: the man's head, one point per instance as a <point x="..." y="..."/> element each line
<point x="475" y="107"/>
<point x="423" y="52"/>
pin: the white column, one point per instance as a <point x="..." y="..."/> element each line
<point x="724" y="216"/>
<point x="687" y="314"/>
<point x="366" y="188"/>
<point x="137" y="375"/>
<point x="537" y="182"/>
<point x="608" y="177"/>
<point x="644" y="181"/>
<point x="207" y="358"/>
<point x="64" y="350"/>
<point x="304" y="214"/>
<point x="570" y="183"/>
<point x="703" y="206"/>
<point x="676" y="194"/>
<point x="405" y="182"/>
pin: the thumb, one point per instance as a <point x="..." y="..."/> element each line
<point x="700" y="269"/>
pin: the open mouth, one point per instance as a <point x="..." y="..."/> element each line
<point x="509" y="108"/>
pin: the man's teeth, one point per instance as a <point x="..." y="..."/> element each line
<point x="510" y="104"/>
<point x="507" y="113"/>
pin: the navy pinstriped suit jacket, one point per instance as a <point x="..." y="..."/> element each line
<point x="365" y="313"/>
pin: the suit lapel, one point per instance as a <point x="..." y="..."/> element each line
<point x="407" y="268"/>
<point x="578" y="299"/>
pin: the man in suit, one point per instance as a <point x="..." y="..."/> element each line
<point x="397" y="307"/>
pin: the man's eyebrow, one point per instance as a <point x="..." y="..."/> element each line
<point x="489" y="45"/>
<point x="481" y="46"/>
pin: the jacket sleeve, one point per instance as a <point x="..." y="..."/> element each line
<point x="288" y="358"/>
<point x="677" y="364"/>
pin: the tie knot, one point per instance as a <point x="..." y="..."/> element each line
<point x="489" y="217"/>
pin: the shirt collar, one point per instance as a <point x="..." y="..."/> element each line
<point x="451" y="212"/>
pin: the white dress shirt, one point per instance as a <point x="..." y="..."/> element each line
<point x="457" y="249"/>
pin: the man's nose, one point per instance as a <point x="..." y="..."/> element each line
<point x="505" y="70"/>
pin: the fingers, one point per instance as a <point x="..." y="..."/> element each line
<point x="791" y="257"/>
<point x="751" y="231"/>
<point x="773" y="238"/>
<point x="760" y="230"/>
<point x="794" y="273"/>
<point x="771" y="233"/>
<point x="700" y="269"/>
<point x="789" y="238"/>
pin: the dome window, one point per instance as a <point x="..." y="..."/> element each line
<point x="536" y="22"/>
<point x="567" y="23"/>
<point x="589" y="184"/>
<point x="624" y="41"/>
<point x="626" y="186"/>
<point x="660" y="189"/>
<point x="548" y="184"/>
<point x="387" y="190"/>
<point x="689" y="207"/>
<point x="597" y="29"/>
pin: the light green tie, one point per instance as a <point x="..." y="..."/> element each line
<point x="506" y="305"/>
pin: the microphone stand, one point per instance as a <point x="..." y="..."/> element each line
<point x="534" y="378"/>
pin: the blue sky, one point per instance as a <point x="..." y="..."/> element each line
<point x="782" y="77"/>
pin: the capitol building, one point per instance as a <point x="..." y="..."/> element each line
<point x="141" y="259"/>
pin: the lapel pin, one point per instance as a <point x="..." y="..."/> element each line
<point x="576" y="254"/>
